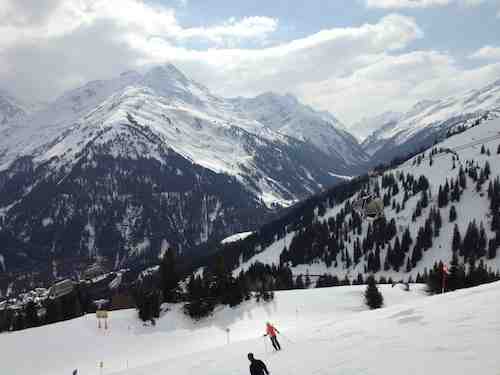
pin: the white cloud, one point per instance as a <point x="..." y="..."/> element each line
<point x="48" y="47"/>
<point x="33" y="19"/>
<point x="283" y="67"/>
<point x="487" y="53"/>
<point x="396" y="83"/>
<point x="396" y="4"/>
<point x="247" y="27"/>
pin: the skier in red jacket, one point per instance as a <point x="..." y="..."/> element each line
<point x="271" y="331"/>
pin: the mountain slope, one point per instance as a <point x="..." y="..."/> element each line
<point x="430" y="120"/>
<point x="10" y="108"/>
<point x="324" y="235"/>
<point x="117" y="170"/>
<point x="364" y="128"/>
<point x="283" y="113"/>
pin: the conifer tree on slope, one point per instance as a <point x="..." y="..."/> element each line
<point x="373" y="297"/>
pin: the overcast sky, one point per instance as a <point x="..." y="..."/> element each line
<point x="355" y="58"/>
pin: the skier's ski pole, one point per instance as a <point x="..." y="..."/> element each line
<point x="265" y="342"/>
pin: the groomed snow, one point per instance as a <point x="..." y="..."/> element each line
<point x="452" y="334"/>
<point x="325" y="331"/>
<point x="177" y="340"/>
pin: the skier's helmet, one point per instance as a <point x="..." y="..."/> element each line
<point x="250" y="356"/>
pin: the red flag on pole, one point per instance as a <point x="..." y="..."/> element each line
<point x="445" y="269"/>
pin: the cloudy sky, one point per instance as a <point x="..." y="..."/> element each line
<point x="355" y="58"/>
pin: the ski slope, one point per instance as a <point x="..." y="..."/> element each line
<point x="62" y="347"/>
<point x="452" y="334"/>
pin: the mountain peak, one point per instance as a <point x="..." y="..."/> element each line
<point x="130" y="73"/>
<point x="166" y="73"/>
<point x="284" y="99"/>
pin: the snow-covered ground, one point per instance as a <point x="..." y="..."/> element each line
<point x="236" y="237"/>
<point x="325" y="331"/>
<point x="456" y="333"/>
<point x="190" y="346"/>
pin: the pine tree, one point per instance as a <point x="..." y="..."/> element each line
<point x="357" y="251"/>
<point x="456" y="279"/>
<point x="492" y="249"/>
<point x="456" y="243"/>
<point x="487" y="170"/>
<point x="373" y="297"/>
<point x="416" y="255"/>
<point x="169" y="276"/>
<point x="470" y="242"/>
<point x="388" y="257"/>
<point x="406" y="241"/>
<point x="483" y="240"/>
<point x="440" y="197"/>
<point x="437" y="222"/>
<point x="453" y="214"/>
<point x="408" y="265"/>
<point x="376" y="262"/>
<point x="424" y="199"/>
<point x="462" y="178"/>
<point x="398" y="255"/>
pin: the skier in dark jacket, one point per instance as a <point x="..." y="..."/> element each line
<point x="257" y="367"/>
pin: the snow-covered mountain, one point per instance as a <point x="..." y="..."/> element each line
<point x="10" y="108"/>
<point x="286" y="115"/>
<point x="369" y="125"/>
<point x="453" y="187"/>
<point x="430" y="120"/>
<point x="121" y="169"/>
